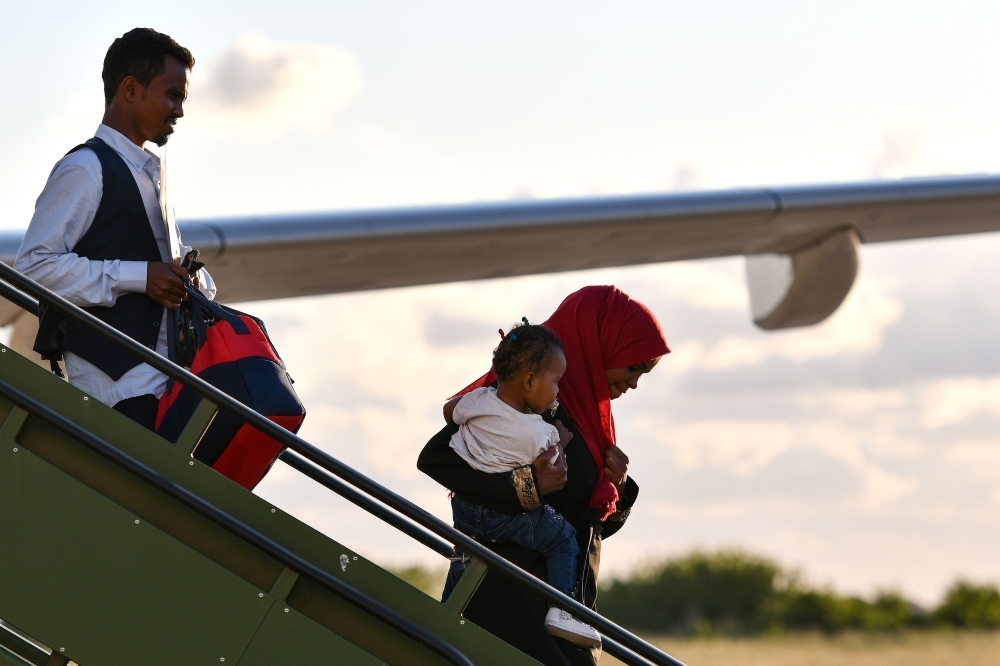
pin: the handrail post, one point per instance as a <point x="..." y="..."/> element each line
<point x="283" y="586"/>
<point x="467" y="585"/>
<point x="197" y="425"/>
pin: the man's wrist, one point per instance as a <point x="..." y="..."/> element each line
<point x="132" y="276"/>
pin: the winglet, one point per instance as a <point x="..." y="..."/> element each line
<point x="806" y="286"/>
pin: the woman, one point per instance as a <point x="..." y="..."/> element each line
<point x="610" y="342"/>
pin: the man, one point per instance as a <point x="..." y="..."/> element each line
<point x="101" y="236"/>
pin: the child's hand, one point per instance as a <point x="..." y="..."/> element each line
<point x="551" y="476"/>
<point x="564" y="434"/>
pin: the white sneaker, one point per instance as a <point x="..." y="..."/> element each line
<point x="560" y="623"/>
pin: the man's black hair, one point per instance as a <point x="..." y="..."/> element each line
<point x="524" y="349"/>
<point x="141" y="53"/>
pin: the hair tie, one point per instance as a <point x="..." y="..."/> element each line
<point x="502" y="336"/>
<point x="525" y="320"/>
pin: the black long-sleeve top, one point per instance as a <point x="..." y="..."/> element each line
<point x="507" y="610"/>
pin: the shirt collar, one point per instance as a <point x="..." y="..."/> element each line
<point x="131" y="153"/>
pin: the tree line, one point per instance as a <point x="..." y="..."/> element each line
<point x="734" y="592"/>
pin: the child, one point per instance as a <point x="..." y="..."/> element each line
<point x="500" y="429"/>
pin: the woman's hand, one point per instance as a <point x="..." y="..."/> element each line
<point x="551" y="477"/>
<point x="615" y="465"/>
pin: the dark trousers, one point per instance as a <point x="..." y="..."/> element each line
<point x="141" y="409"/>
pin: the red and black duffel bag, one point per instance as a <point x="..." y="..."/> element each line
<point x="231" y="351"/>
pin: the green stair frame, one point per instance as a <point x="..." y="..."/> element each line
<point x="108" y="570"/>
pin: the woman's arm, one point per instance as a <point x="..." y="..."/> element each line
<point x="449" y="409"/>
<point x="507" y="492"/>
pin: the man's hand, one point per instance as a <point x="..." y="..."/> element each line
<point x="615" y="465"/>
<point x="165" y="284"/>
<point x="550" y="477"/>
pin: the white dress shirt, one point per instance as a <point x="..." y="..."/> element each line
<point x="63" y="213"/>
<point x="494" y="437"/>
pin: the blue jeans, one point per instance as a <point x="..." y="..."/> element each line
<point x="543" y="530"/>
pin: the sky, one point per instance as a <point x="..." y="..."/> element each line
<point x="863" y="452"/>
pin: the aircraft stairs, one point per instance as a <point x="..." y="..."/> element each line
<point x="117" y="548"/>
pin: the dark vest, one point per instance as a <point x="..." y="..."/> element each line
<point x="120" y="230"/>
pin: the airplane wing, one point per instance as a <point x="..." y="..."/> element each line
<point x="807" y="237"/>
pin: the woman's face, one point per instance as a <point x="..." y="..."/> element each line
<point x="620" y="380"/>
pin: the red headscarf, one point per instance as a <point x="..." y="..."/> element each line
<point x="601" y="328"/>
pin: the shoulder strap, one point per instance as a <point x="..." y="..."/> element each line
<point x="89" y="143"/>
<point x="216" y="310"/>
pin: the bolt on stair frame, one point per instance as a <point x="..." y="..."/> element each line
<point x="631" y="645"/>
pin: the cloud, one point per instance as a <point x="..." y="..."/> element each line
<point x="980" y="458"/>
<point x="885" y="487"/>
<point x="688" y="176"/>
<point x="975" y="453"/>
<point x="812" y="460"/>
<point x="522" y="193"/>
<point x="953" y="400"/>
<point x="442" y="331"/>
<point x="699" y="284"/>
<point x="899" y="149"/>
<point x="263" y="87"/>
<point x="850" y="402"/>
<point x="857" y="328"/>
<point x="739" y="447"/>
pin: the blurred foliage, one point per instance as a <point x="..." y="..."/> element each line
<point x="736" y="593"/>
<point x="732" y="592"/>
<point x="729" y="591"/>
<point x="428" y="581"/>
<point x="825" y="610"/>
<point x="970" y="606"/>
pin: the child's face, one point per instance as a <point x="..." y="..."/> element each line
<point x="542" y="387"/>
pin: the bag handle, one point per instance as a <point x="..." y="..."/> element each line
<point x="189" y="313"/>
<point x="219" y="312"/>
<point x="197" y="320"/>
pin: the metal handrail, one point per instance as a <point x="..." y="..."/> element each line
<point x="358" y="498"/>
<point x="331" y="464"/>
<point x="21" y="647"/>
<point x="331" y="482"/>
<point x="240" y="529"/>
<point x="441" y="546"/>
<point x="303" y="466"/>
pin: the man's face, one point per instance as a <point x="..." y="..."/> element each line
<point x="161" y="103"/>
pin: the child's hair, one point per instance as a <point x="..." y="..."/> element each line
<point x="524" y="349"/>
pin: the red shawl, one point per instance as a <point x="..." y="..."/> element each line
<point x="601" y="328"/>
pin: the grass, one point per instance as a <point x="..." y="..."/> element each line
<point x="905" y="649"/>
